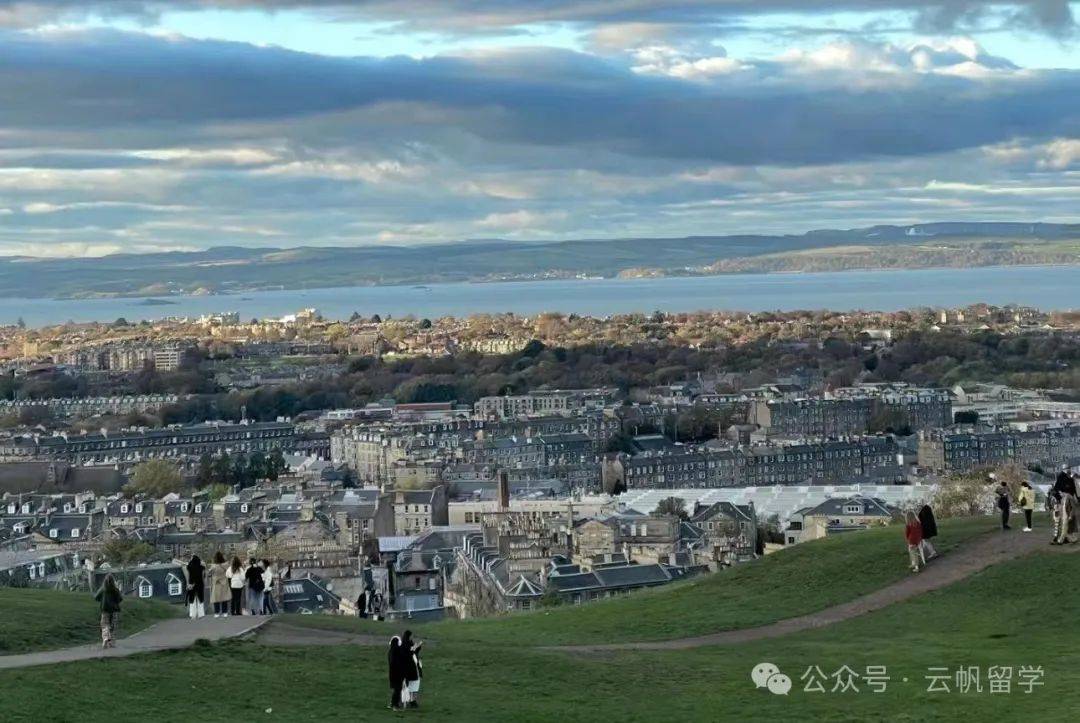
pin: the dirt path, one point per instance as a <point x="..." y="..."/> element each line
<point x="170" y="634"/>
<point x="970" y="558"/>
<point x="950" y="568"/>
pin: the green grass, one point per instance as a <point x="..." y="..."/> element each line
<point x="34" y="619"/>
<point x="803" y="579"/>
<point x="1013" y="614"/>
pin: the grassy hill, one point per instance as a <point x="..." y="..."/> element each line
<point x="1014" y="614"/>
<point x="34" y="619"/>
<point x="804" y="579"/>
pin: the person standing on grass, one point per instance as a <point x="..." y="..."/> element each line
<point x="1026" y="500"/>
<point x="110" y="598"/>
<point x="269" y="573"/>
<point x="236" y="586"/>
<point x="1001" y="493"/>
<point x="196" y="589"/>
<point x="1065" y="493"/>
<point x="413" y="668"/>
<point x="397" y="672"/>
<point x="254" y="577"/>
<point x="219" y="586"/>
<point x="913" y="535"/>
<point x="928" y="523"/>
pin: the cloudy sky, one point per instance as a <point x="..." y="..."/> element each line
<point x="139" y="126"/>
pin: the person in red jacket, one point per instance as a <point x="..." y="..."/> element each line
<point x="913" y="535"/>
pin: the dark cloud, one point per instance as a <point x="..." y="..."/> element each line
<point x="104" y="88"/>
<point x="1053" y="16"/>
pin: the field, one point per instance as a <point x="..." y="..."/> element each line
<point x="46" y="619"/>
<point x="1010" y="615"/>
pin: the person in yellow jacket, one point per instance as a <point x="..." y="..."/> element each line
<point x="1026" y="501"/>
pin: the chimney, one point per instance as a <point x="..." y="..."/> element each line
<point x="504" y="490"/>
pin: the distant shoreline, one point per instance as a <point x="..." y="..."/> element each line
<point x="159" y="299"/>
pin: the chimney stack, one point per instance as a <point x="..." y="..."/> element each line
<point x="504" y="490"/>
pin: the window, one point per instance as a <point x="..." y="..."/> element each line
<point x="32" y="571"/>
<point x="74" y="531"/>
<point x="243" y="508"/>
<point x="175" y="586"/>
<point x="198" y="509"/>
<point x="145" y="588"/>
<point x="294" y="588"/>
<point x="54" y="533"/>
<point x="138" y="508"/>
<point x="123" y="509"/>
<point x="184" y="507"/>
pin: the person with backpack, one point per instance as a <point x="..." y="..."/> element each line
<point x="255" y="585"/>
<point x="1002" y="501"/>
<point x="110" y="597"/>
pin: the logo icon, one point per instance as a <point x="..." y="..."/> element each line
<point x="767" y="675"/>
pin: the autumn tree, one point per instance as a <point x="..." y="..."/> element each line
<point x="154" y="478"/>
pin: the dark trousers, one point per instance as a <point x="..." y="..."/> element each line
<point x="1004" y="517"/>
<point x="237" y="596"/>
<point x="1027" y="517"/>
<point x="269" y="608"/>
<point x="220" y="608"/>
<point x="395" y="693"/>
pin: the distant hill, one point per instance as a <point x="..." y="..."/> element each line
<point x="235" y="269"/>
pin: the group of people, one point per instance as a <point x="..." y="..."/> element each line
<point x="406" y="670"/>
<point x="370" y="604"/>
<point x="1061" y="503"/>
<point x="919" y="529"/>
<point x="235" y="588"/>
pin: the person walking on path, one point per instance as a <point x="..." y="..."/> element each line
<point x="913" y="535"/>
<point x="1065" y="521"/>
<point x="1001" y="493"/>
<point x="1026" y="500"/>
<point x="236" y="586"/>
<point x="928" y="524"/>
<point x="219" y="586"/>
<point x="110" y="598"/>
<point x="269" y="574"/>
<point x="254" y="577"/>
<point x="396" y="667"/>
<point x="196" y="589"/>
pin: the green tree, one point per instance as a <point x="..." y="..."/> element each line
<point x="257" y="466"/>
<point x="223" y="470"/>
<point x="275" y="464"/>
<point x="122" y="552"/>
<point x="154" y="478"/>
<point x="673" y="506"/>
<point x="205" y="474"/>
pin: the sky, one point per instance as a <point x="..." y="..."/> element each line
<point x="129" y="126"/>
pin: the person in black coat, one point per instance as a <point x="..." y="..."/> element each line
<point x="411" y="665"/>
<point x="395" y="663"/>
<point x="929" y="529"/>
<point x="1064" y="493"/>
<point x="361" y="604"/>
<point x="196" y="588"/>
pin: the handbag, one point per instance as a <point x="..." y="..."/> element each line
<point x="406" y="694"/>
